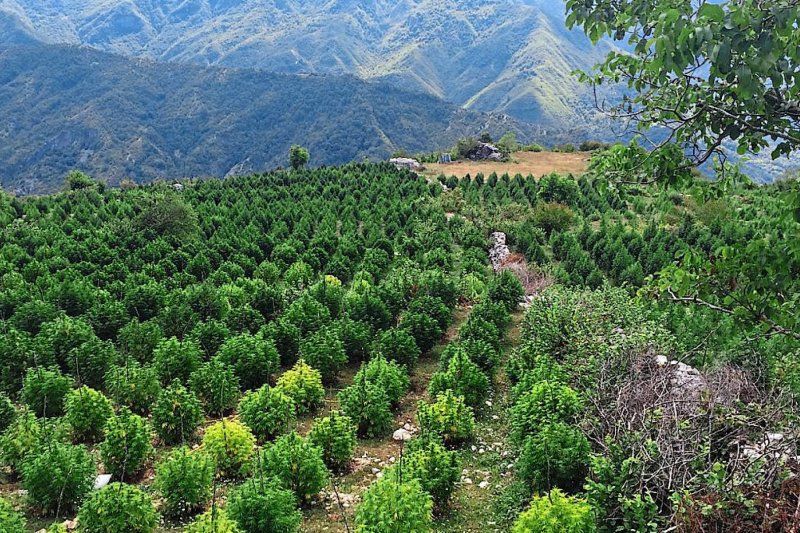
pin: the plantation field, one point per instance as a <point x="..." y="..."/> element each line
<point x="248" y="355"/>
<point x="524" y="163"/>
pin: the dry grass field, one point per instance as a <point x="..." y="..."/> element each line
<point x="524" y="163"/>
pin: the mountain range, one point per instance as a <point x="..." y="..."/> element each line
<point x="64" y="108"/>
<point x="509" y="56"/>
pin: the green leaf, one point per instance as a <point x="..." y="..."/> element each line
<point x="712" y="12"/>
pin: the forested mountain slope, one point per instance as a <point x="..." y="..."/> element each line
<point x="66" y="107"/>
<point x="493" y="55"/>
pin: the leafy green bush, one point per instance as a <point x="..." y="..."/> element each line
<point x="90" y="362"/>
<point x="387" y="375"/>
<point x="397" y="345"/>
<point x="20" y="439"/>
<point x="209" y="336"/>
<point x="87" y="412"/>
<point x="423" y="328"/>
<point x="478" y="330"/>
<point x="44" y="391"/>
<point x="303" y="384"/>
<point x="386" y="500"/>
<point x="213" y="521"/>
<point x="556" y="513"/>
<point x="260" y="505"/>
<point x="118" y="507"/>
<point x="230" y="445"/>
<point x="324" y="351"/>
<point x="494" y="309"/>
<point x="252" y="357"/>
<point x="139" y="339"/>
<point x="10" y="520"/>
<point x="368" y="406"/>
<point x="268" y="412"/>
<point x="216" y="386"/>
<point x="127" y="446"/>
<point x="544" y="403"/>
<point x="133" y="385"/>
<point x="505" y="288"/>
<point x="479" y="352"/>
<point x="335" y="435"/>
<point x="286" y="336"/>
<point x="7" y="411"/>
<point x="448" y="418"/>
<point x="356" y="338"/>
<point x="177" y="414"/>
<point x="298" y="464"/>
<point x="436" y="468"/>
<point x="432" y="306"/>
<point x="174" y="359"/>
<point x="184" y="479"/>
<point x="464" y="378"/>
<point x="552" y="217"/>
<point x="58" y="477"/>
<point x="555" y="456"/>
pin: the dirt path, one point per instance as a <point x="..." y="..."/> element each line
<point x="487" y="465"/>
<point x="536" y="164"/>
<point x="373" y="455"/>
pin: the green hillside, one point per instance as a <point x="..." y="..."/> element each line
<point x="116" y="118"/>
<point x="250" y="351"/>
<point x="490" y="55"/>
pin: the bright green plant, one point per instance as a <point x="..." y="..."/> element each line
<point x="44" y="391"/>
<point x="389" y="506"/>
<point x="263" y="504"/>
<point x="324" y="351"/>
<point x="397" y="345"/>
<point x="87" y="411"/>
<point x="127" y="446"/>
<point x="424" y="329"/>
<point x="90" y="362"/>
<point x="368" y="406"/>
<point x="387" y="375"/>
<point x="448" y="417"/>
<point x="7" y="411"/>
<point x="555" y="456"/>
<point x="303" y="384"/>
<point x="174" y="359"/>
<point x="58" y="477"/>
<point x="133" y="386"/>
<point x="11" y="521"/>
<point x="252" y="357"/>
<point x="184" y="479"/>
<point x="177" y="413"/>
<point x="230" y="445"/>
<point x="464" y="378"/>
<point x="216" y="386"/>
<point x="430" y="463"/>
<point x="479" y="352"/>
<point x="213" y="521"/>
<point x="20" y="439"/>
<point x="335" y="435"/>
<point x="297" y="463"/>
<point x="556" y="513"/>
<point x="505" y="288"/>
<point x="118" y="507"/>
<point x="544" y="403"/>
<point x="268" y="412"/>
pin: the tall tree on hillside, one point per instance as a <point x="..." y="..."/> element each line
<point x="298" y="157"/>
<point x="708" y="72"/>
<point x="711" y="73"/>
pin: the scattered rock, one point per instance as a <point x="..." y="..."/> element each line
<point x="483" y="484"/>
<point x="407" y="163"/>
<point x="402" y="434"/>
<point x="499" y="251"/>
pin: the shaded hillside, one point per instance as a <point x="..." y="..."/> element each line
<point x="514" y="56"/>
<point x="115" y="118"/>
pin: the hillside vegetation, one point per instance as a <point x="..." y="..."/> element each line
<point x="258" y="342"/>
<point x="506" y="56"/>
<point x="118" y="118"/>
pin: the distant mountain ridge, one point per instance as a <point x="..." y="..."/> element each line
<point x="66" y="107"/>
<point x="511" y="56"/>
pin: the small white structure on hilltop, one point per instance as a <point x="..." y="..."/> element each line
<point x="406" y="163"/>
<point x="445" y="159"/>
<point x="178" y="186"/>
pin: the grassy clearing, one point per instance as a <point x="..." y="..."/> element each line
<point x="524" y="163"/>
